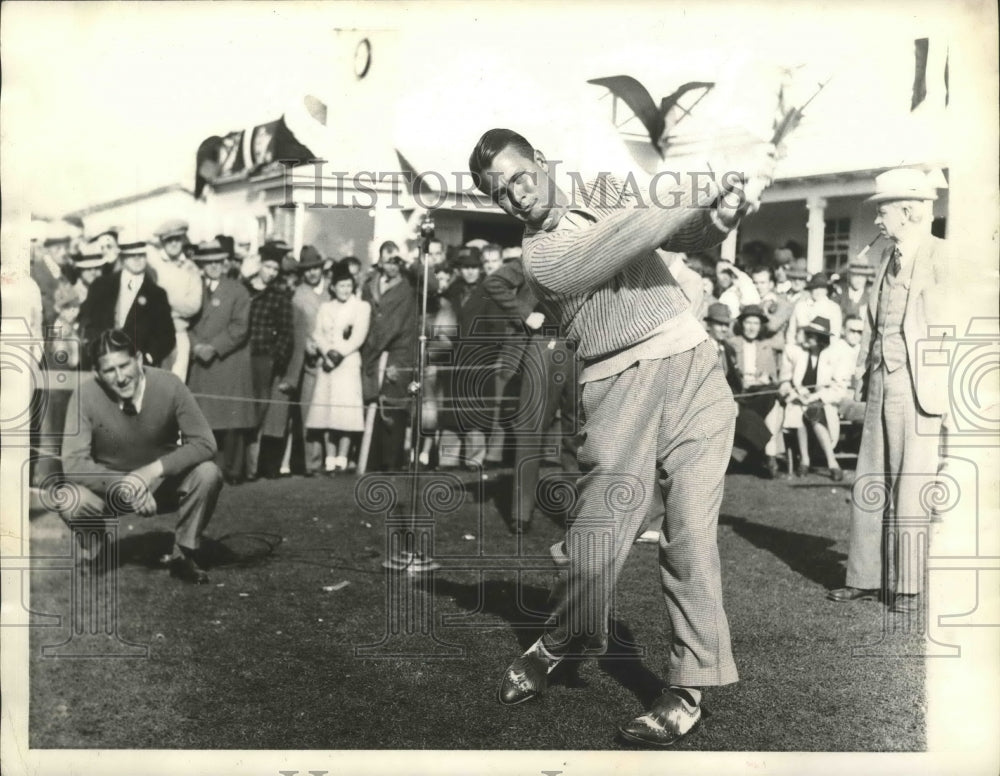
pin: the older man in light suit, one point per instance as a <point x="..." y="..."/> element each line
<point x="899" y="455"/>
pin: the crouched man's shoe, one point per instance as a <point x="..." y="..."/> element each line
<point x="847" y="594"/>
<point x="184" y="568"/>
<point x="527" y="677"/>
<point x="671" y="718"/>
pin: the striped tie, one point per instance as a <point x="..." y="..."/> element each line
<point x="897" y="263"/>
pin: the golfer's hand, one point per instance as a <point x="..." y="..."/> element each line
<point x="535" y="321"/>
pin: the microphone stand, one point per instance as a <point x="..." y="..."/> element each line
<point x="416" y="562"/>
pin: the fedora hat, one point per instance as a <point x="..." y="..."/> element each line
<point x="309" y="258"/>
<point x="719" y="313"/>
<point x="820" y="325"/>
<point x="902" y="184"/>
<point x="797" y="270"/>
<point x="819" y="280"/>
<point x="751" y="311"/>
<point x="210" y="250"/>
<point x="274" y="250"/>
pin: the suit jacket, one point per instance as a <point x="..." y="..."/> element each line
<point x="767" y="361"/>
<point x="224" y="323"/>
<point x="393" y="330"/>
<point x="305" y="305"/>
<point x="848" y="307"/>
<point x="47" y="285"/>
<point x="928" y="304"/>
<point x="148" y="322"/>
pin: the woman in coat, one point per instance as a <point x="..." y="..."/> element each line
<point x="814" y="379"/>
<point x="337" y="407"/>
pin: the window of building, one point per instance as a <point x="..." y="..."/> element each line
<point x="836" y="244"/>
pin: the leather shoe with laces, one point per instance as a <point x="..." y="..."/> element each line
<point x="844" y="595"/>
<point x="526" y="677"/>
<point x="670" y="719"/>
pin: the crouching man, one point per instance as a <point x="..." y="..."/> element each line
<point x="136" y="442"/>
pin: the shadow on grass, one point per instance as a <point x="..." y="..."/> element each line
<point x="806" y="554"/>
<point x="241" y="550"/>
<point x="525" y="608"/>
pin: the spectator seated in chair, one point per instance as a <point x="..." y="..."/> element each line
<point x="814" y="380"/>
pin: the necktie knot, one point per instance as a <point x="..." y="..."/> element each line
<point x="897" y="262"/>
<point x="128" y="407"/>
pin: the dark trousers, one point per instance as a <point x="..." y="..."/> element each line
<point x="232" y="454"/>
<point x="548" y="385"/>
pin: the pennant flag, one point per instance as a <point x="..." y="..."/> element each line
<point x="920" y="47"/>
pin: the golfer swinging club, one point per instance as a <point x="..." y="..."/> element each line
<point x="653" y="391"/>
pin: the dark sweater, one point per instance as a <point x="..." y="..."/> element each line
<point x="101" y="442"/>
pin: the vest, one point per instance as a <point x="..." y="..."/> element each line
<point x="889" y="346"/>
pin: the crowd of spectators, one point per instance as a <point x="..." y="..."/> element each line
<point x="290" y="358"/>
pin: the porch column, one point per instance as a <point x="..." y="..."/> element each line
<point x="816" y="226"/>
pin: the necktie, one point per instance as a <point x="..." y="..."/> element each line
<point x="897" y="263"/>
<point x="128" y="407"/>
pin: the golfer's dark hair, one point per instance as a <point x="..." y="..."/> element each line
<point x="388" y="245"/>
<point x="758" y="269"/>
<point x="111" y="341"/>
<point x="489" y="146"/>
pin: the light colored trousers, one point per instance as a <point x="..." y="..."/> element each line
<point x="678" y="413"/>
<point x="893" y="488"/>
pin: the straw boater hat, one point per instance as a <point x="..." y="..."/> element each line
<point x="210" y="250"/>
<point x="860" y="268"/>
<point x="719" y="313"/>
<point x="902" y="184"/>
<point x="89" y="260"/>
<point x="819" y="326"/>
<point x="133" y="250"/>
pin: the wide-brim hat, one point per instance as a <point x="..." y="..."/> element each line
<point x="861" y="268"/>
<point x="175" y="227"/>
<point x="309" y="258"/>
<point x="819" y="280"/>
<point x="341" y="271"/>
<point x="89" y="260"/>
<point x="719" y="313"/>
<point x="133" y="250"/>
<point x="469" y="257"/>
<point x="210" y="250"/>
<point x="114" y="231"/>
<point x="752" y="310"/>
<point x="274" y="250"/>
<point x="902" y="184"/>
<point x="797" y="270"/>
<point x="820" y="326"/>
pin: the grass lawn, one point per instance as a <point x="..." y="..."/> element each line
<point x="265" y="658"/>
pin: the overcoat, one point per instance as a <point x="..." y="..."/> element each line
<point x="224" y="323"/>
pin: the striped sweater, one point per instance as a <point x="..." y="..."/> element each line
<point x="609" y="285"/>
